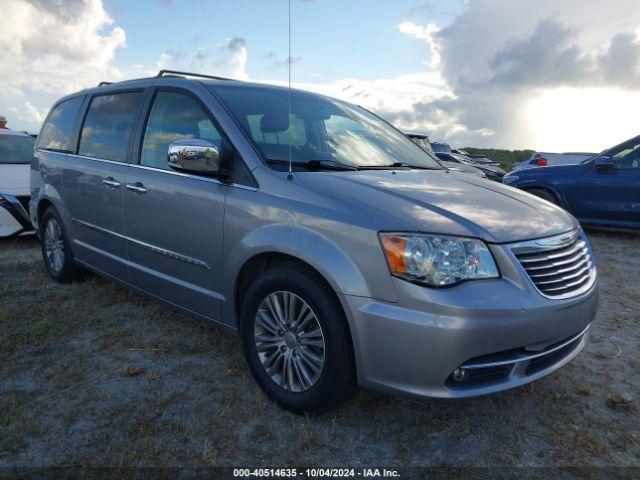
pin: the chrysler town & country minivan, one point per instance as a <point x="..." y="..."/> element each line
<point x="343" y="254"/>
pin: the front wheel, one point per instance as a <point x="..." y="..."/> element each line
<point x="296" y="340"/>
<point x="56" y="252"/>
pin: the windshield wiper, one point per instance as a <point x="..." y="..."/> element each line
<point x="396" y="165"/>
<point x="317" y="164"/>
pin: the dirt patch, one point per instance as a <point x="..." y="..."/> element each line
<point x="92" y="374"/>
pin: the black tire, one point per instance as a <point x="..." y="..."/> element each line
<point x="66" y="270"/>
<point x="543" y="194"/>
<point x="337" y="381"/>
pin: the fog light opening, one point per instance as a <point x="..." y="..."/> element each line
<point x="459" y="374"/>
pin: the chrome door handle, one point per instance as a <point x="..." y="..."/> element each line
<point x="110" y="182"/>
<point x="136" y="187"/>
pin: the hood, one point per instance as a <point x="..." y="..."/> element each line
<point x="534" y="171"/>
<point x="461" y="167"/>
<point x="449" y="203"/>
<point x="14" y="179"/>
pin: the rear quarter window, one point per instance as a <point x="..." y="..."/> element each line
<point x="109" y="124"/>
<point x="57" y="131"/>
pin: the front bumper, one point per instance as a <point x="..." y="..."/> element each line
<point x="14" y="216"/>
<point x="414" y="346"/>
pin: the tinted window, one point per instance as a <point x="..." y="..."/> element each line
<point x="57" y="131"/>
<point x="174" y="116"/>
<point x="16" y="148"/>
<point x="108" y="125"/>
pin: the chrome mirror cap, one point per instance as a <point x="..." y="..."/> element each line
<point x="193" y="155"/>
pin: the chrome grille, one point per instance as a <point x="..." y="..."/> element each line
<point x="560" y="267"/>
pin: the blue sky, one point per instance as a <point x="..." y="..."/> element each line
<point x="554" y="75"/>
<point x="330" y="39"/>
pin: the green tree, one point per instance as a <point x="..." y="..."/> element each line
<point x="506" y="158"/>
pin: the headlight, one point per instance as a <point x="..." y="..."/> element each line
<point x="437" y="260"/>
<point x="510" y="179"/>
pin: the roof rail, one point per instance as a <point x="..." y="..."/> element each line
<point x="162" y="73"/>
<point x="102" y="84"/>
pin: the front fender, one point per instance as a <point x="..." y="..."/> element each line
<point x="306" y="245"/>
<point x="302" y="243"/>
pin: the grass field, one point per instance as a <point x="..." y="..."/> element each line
<point x="94" y="375"/>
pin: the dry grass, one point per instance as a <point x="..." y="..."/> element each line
<point x="94" y="375"/>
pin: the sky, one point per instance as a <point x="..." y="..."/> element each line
<point x="550" y="75"/>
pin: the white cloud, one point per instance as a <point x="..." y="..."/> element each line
<point x="228" y="58"/>
<point x="391" y="95"/>
<point x="424" y="33"/>
<point x="489" y="76"/>
<point x="413" y="30"/>
<point x="32" y="114"/>
<point x="45" y="44"/>
<point x="50" y="48"/>
<point x="499" y="56"/>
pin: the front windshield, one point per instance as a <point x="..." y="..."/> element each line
<point x="319" y="129"/>
<point x="16" y="148"/>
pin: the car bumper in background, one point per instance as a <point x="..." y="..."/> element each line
<point x="494" y="334"/>
<point x="14" y="216"/>
<point x="495" y="176"/>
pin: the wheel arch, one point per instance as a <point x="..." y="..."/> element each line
<point x="267" y="260"/>
<point x="48" y="196"/>
<point x="280" y="242"/>
<point x="549" y="189"/>
<point x="260" y="262"/>
<point x="43" y="204"/>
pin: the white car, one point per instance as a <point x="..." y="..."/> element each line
<point x="16" y="152"/>
<point x="548" y="159"/>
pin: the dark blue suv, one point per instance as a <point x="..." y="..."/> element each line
<point x="602" y="190"/>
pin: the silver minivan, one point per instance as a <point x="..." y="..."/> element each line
<point x="343" y="254"/>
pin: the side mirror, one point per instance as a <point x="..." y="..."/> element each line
<point x="604" y="163"/>
<point x="193" y="155"/>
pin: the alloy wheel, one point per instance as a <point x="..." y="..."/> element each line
<point x="289" y="341"/>
<point x="54" y="245"/>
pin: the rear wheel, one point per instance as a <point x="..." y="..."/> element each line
<point x="56" y="252"/>
<point x="543" y="194"/>
<point x="296" y="341"/>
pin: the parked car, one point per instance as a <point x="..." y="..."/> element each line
<point x="462" y="168"/>
<point x="440" y="147"/>
<point x="603" y="190"/>
<point x="491" y="170"/>
<point x="16" y="152"/>
<point x="547" y="159"/>
<point x="470" y="155"/>
<point x="475" y="157"/>
<point x="482" y="160"/>
<point x="422" y="140"/>
<point x="344" y="258"/>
